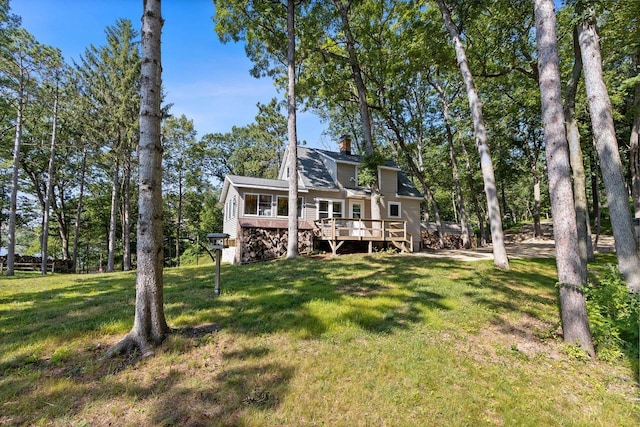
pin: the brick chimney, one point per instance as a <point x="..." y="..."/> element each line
<point x="345" y="144"/>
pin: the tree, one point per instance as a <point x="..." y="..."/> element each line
<point x="585" y="245"/>
<point x="604" y="134"/>
<point x="110" y="78"/>
<point x="179" y="138"/>
<point x="149" y="325"/>
<point x="454" y="166"/>
<point x="56" y="61"/>
<point x="571" y="278"/>
<point x="21" y="59"/>
<point x="252" y="150"/>
<point x="499" y="252"/>
<point x="292" y="162"/>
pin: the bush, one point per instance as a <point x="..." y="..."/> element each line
<point x="613" y="316"/>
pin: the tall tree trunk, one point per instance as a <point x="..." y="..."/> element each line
<point x="634" y="141"/>
<point x="49" y="192"/>
<point x="126" y="211"/>
<point x="149" y="325"/>
<point x="573" y="308"/>
<point x="63" y="225"/>
<point x="585" y="245"/>
<point x="499" y="251"/>
<point x="365" y="115"/>
<point x="537" y="228"/>
<point x="111" y="253"/>
<point x="464" y="229"/>
<point x="179" y="218"/>
<point x="607" y="146"/>
<point x="292" y="161"/>
<point x="458" y="189"/>
<point x="595" y="195"/>
<point x="76" y="227"/>
<point x="13" y="201"/>
<point x="474" y="196"/>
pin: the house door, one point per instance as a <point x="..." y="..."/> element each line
<point x="355" y="212"/>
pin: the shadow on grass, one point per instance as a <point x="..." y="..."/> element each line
<point x="372" y="293"/>
<point x="308" y="298"/>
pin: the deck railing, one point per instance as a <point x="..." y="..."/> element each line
<point x="372" y="230"/>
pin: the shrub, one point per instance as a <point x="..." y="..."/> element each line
<point x="613" y="316"/>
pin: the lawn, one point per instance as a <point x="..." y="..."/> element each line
<point x="350" y="341"/>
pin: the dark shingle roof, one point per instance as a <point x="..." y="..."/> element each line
<point x="406" y="187"/>
<point x="341" y="157"/>
<point x="313" y="170"/>
<point x="314" y="173"/>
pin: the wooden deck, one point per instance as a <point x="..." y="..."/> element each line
<point x="336" y="231"/>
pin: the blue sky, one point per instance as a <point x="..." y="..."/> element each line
<point x="205" y="80"/>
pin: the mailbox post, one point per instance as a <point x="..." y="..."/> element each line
<point x="219" y="242"/>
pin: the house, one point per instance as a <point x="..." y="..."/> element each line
<point x="332" y="207"/>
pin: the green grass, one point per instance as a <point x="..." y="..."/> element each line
<point x="354" y="340"/>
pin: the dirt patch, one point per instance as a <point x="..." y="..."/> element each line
<point x="529" y="248"/>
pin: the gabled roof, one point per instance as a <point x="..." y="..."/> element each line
<point x="313" y="171"/>
<point x="313" y="174"/>
<point x="340" y="157"/>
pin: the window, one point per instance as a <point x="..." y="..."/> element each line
<point x="337" y="209"/>
<point x="330" y="208"/>
<point x="230" y="209"/>
<point x="356" y="210"/>
<point x="323" y="209"/>
<point x="251" y="204"/>
<point x="264" y="205"/>
<point x="394" y="210"/>
<point x="283" y="206"/>
<point x="258" y="204"/>
<point x="234" y="207"/>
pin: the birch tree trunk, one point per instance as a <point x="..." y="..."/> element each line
<point x="585" y="245"/>
<point x="573" y="308"/>
<point x="493" y="206"/>
<point x="607" y="147"/>
<point x="149" y="326"/>
<point x="49" y="192"/>
<point x="292" y="161"/>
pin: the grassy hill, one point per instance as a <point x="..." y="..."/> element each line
<point x="354" y="340"/>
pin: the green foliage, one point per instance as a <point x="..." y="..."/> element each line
<point x="613" y="315"/>
<point x="254" y="150"/>
<point x="368" y="174"/>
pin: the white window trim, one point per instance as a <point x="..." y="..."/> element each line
<point x="399" y="209"/>
<point x="330" y="202"/>
<point x="356" y="202"/>
<point x="257" y="214"/>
